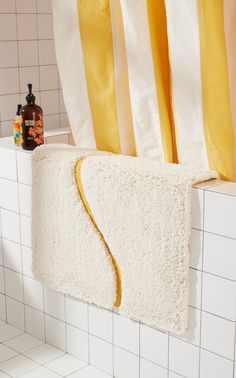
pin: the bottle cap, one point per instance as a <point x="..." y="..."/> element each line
<point x="30" y="98"/>
<point x="19" y="106"/>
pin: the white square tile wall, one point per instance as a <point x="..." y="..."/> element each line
<point x="118" y="346"/>
<point x="27" y="54"/>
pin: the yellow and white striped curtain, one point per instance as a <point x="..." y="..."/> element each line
<point x="151" y="78"/>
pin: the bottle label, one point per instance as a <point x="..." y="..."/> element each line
<point x="17" y="132"/>
<point x="32" y="131"/>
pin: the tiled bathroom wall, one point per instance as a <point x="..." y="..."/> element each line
<point x="112" y="343"/>
<point x="27" y="54"/>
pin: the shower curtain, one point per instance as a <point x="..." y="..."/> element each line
<point x="151" y="78"/>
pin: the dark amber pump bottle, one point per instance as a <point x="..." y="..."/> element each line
<point x="31" y="123"/>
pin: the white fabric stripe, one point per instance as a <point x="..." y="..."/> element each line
<point x="184" y="48"/>
<point x="72" y="73"/>
<point x="230" y="34"/>
<point x="142" y="80"/>
<point x="122" y="87"/>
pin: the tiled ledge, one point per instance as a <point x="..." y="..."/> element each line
<point x="92" y="334"/>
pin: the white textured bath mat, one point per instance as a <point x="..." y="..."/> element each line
<point x="142" y="208"/>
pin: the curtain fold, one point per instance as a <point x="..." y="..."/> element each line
<point x="151" y="78"/>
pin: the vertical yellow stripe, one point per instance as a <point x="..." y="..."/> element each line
<point x="230" y="34"/>
<point x="215" y="87"/>
<point x="159" y="44"/>
<point x="96" y="37"/>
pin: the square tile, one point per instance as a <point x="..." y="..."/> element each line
<point x="17" y="366"/>
<point x="100" y="323"/>
<point x="3" y="375"/>
<point x="33" y="293"/>
<point x="126" y="365"/>
<point x="55" y="332"/>
<point x="8" y="332"/>
<point x="195" y="288"/>
<point x="12" y="255"/>
<point x="219" y="296"/>
<point x="50" y="102"/>
<point x="47" y="54"/>
<point x="26" y="23"/>
<point x="40" y="372"/>
<point x="8" y="27"/>
<point x="89" y="372"/>
<point x="7" y="6"/>
<point x="1" y="251"/>
<point x="6" y="353"/>
<point x="154" y="345"/>
<point x="14" y="285"/>
<point x="6" y="129"/>
<point x="28" y="53"/>
<point x="23" y="343"/>
<point x="77" y="313"/>
<point x="184" y="358"/>
<point x="219" y="256"/>
<point x="2" y="284"/>
<point x="24" y="167"/>
<point x="45" y="26"/>
<point x="15" y="313"/>
<point x="77" y="343"/>
<point x="26" y="6"/>
<point x="218" y="335"/>
<point x="7" y="170"/>
<point x="29" y="75"/>
<point x="34" y="321"/>
<point x="10" y="225"/>
<point x="196" y="243"/>
<point x="2" y="308"/>
<point x="44" y="6"/>
<point x="9" y="81"/>
<point x="8" y="109"/>
<point x="150" y="370"/>
<point x="48" y="77"/>
<point x="215" y="366"/>
<point x="220" y="214"/>
<point x="123" y="327"/>
<point x="52" y="121"/>
<point x="8" y="54"/>
<point x="9" y="195"/>
<point x="25" y="199"/>
<point x="54" y="303"/>
<point x="65" y="365"/>
<point x="197" y="208"/>
<point x="101" y="354"/>
<point x="44" y="353"/>
<point x="25" y="224"/>
<point x="27" y="261"/>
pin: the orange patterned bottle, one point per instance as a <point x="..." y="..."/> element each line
<point x="31" y="123"/>
<point x="17" y="127"/>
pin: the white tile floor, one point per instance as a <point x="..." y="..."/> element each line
<point x="25" y="356"/>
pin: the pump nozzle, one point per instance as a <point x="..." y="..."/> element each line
<point x="30" y="98"/>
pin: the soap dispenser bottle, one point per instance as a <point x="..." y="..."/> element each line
<point x="31" y="123"/>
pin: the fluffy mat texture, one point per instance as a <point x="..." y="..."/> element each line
<point x="142" y="209"/>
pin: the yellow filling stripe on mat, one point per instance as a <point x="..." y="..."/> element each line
<point x="215" y="87"/>
<point x="96" y="36"/>
<point x="78" y="179"/>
